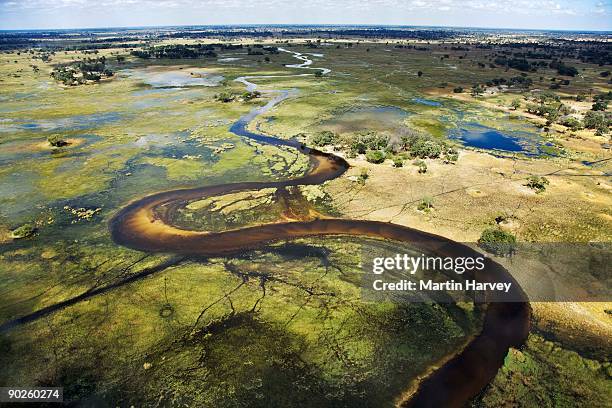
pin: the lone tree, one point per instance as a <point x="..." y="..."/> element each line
<point x="56" y="140"/>
<point x="375" y="156"/>
<point x="537" y="183"/>
<point x="497" y="241"/>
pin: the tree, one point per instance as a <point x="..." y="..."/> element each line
<point x="324" y="138"/>
<point x="375" y="156"/>
<point x="497" y="241"/>
<point x="571" y="123"/>
<point x="477" y="90"/>
<point x="600" y="121"/>
<point x="247" y="96"/>
<point x="24" y="231"/>
<point x="225" y="97"/>
<point x="515" y="104"/>
<point x="600" y="105"/>
<point x="537" y="183"/>
<point x="458" y="89"/>
<point x="56" y="140"/>
<point x="426" y="204"/>
<point x="420" y="74"/>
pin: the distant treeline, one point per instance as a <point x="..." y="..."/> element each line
<point x="362" y="32"/>
<point x="179" y="51"/>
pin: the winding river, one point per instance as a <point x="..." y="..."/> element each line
<point x="144" y="225"/>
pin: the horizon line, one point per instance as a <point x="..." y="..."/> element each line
<point x="599" y="31"/>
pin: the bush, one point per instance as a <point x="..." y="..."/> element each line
<point x="421" y="165"/>
<point x="600" y="121"/>
<point x="497" y="241"/>
<point x="367" y="141"/>
<point x="537" y="183"/>
<point x="451" y="156"/>
<point x="600" y="106"/>
<point x="572" y="123"/>
<point x="426" y="149"/>
<point x="25" y="231"/>
<point x="458" y="89"/>
<point x="363" y="176"/>
<point x="247" y="96"/>
<point x="426" y="204"/>
<point x="398" y="162"/>
<point x="225" y="97"/>
<point x="323" y="138"/>
<point x="375" y="156"/>
<point x="56" y="141"/>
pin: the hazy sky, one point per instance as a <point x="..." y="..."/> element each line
<point x="546" y="14"/>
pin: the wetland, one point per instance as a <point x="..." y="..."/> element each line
<point x="213" y="245"/>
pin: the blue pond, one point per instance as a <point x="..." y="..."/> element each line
<point x="484" y="137"/>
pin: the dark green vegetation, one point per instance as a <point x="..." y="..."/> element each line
<point x="177" y="51"/>
<point x="546" y="374"/>
<point x="89" y="70"/>
<point x="537" y="183"/>
<point x="497" y="241"/>
<point x="56" y="140"/>
<point x="244" y="330"/>
<point x="24" y="231"/>
<point x="377" y="147"/>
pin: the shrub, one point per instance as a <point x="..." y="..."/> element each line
<point x="225" y="97"/>
<point x="572" y="123"/>
<point x="25" y="231"/>
<point x="323" y="138"/>
<point x="398" y="162"/>
<point x="367" y="141"/>
<point x="497" y="241"/>
<point x="451" y="155"/>
<point x="56" y="141"/>
<point x="363" y="176"/>
<point x="515" y="104"/>
<point x="421" y="165"/>
<point x="537" y="183"/>
<point x="458" y="89"/>
<point x="426" y="149"/>
<point x="600" y="121"/>
<point x="426" y="204"/>
<point x="375" y="156"/>
<point x="600" y="106"/>
<point x="247" y="96"/>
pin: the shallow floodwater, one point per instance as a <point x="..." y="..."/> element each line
<point x="427" y="102"/>
<point x="177" y="78"/>
<point x="76" y="122"/>
<point x="379" y="118"/>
